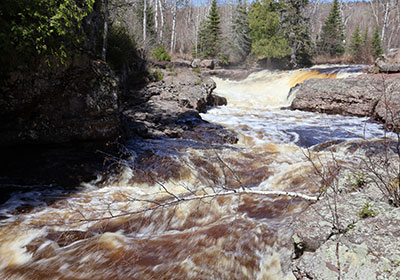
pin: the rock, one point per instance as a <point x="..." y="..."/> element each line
<point x="79" y="103"/>
<point x="351" y="96"/>
<point x="360" y="248"/>
<point x="196" y="63"/>
<point x="170" y="108"/>
<point x="388" y="107"/>
<point x="207" y="63"/>
<point x="389" y="63"/>
<point x="374" y="96"/>
<point x="215" y="100"/>
<point x="181" y="63"/>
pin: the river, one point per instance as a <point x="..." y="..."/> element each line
<point x="147" y="221"/>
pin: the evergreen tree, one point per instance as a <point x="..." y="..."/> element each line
<point x="210" y="33"/>
<point x="332" y="35"/>
<point x="356" y="46"/>
<point x="296" y="31"/>
<point x="365" y="38"/>
<point x="240" y="37"/>
<point x="266" y="35"/>
<point x="376" y="44"/>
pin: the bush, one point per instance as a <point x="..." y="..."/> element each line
<point x="197" y="70"/>
<point x="157" y="75"/>
<point x="367" y="211"/>
<point x="160" y="53"/>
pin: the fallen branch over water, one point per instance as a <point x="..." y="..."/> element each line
<point x="178" y="200"/>
<point x="247" y="191"/>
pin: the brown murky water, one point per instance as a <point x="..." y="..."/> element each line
<point x="146" y="224"/>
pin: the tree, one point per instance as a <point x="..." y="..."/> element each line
<point x="210" y="34"/>
<point x="145" y="14"/>
<point x="332" y="35"/>
<point x="356" y="45"/>
<point x="376" y="44"/>
<point x="296" y="31"/>
<point x="267" y="38"/>
<point x="240" y="32"/>
<point x="41" y="28"/>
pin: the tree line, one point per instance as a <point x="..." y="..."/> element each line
<point x="231" y="31"/>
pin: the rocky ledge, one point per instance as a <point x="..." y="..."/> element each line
<point x="353" y="232"/>
<point x="376" y="96"/>
<point x="171" y="107"/>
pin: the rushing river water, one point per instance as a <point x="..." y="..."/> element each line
<point x="144" y="224"/>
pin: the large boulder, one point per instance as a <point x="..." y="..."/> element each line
<point x="77" y="103"/>
<point x="389" y="63"/>
<point x="351" y="96"/>
<point x="376" y="96"/>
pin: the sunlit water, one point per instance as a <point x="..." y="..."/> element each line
<point x="134" y="228"/>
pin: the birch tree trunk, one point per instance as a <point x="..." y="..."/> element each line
<point x="105" y="31"/>
<point x="162" y="19"/>
<point x="156" y="18"/>
<point x="385" y="22"/>
<point x="173" y="35"/>
<point x="144" y="19"/>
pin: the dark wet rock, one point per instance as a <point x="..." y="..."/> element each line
<point x="389" y="63"/>
<point x="79" y="103"/>
<point x="215" y="100"/>
<point x="374" y="96"/>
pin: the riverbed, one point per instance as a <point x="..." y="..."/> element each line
<point x="181" y="208"/>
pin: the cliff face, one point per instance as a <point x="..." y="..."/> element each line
<point x="78" y="103"/>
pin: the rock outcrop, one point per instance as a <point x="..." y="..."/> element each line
<point x="374" y="96"/>
<point x="79" y="103"/>
<point x="349" y="241"/>
<point x="389" y="63"/>
<point x="171" y="107"/>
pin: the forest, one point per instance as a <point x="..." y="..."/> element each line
<point x="297" y="32"/>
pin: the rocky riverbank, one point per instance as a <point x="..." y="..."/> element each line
<point x="66" y="122"/>
<point x="353" y="231"/>
<point x="372" y="95"/>
<point x="171" y="107"/>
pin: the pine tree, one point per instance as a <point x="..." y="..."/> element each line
<point x="296" y="31"/>
<point x="210" y="33"/>
<point x="376" y="44"/>
<point x="240" y="37"/>
<point x="356" y="45"/>
<point x="266" y="35"/>
<point x="332" y="35"/>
